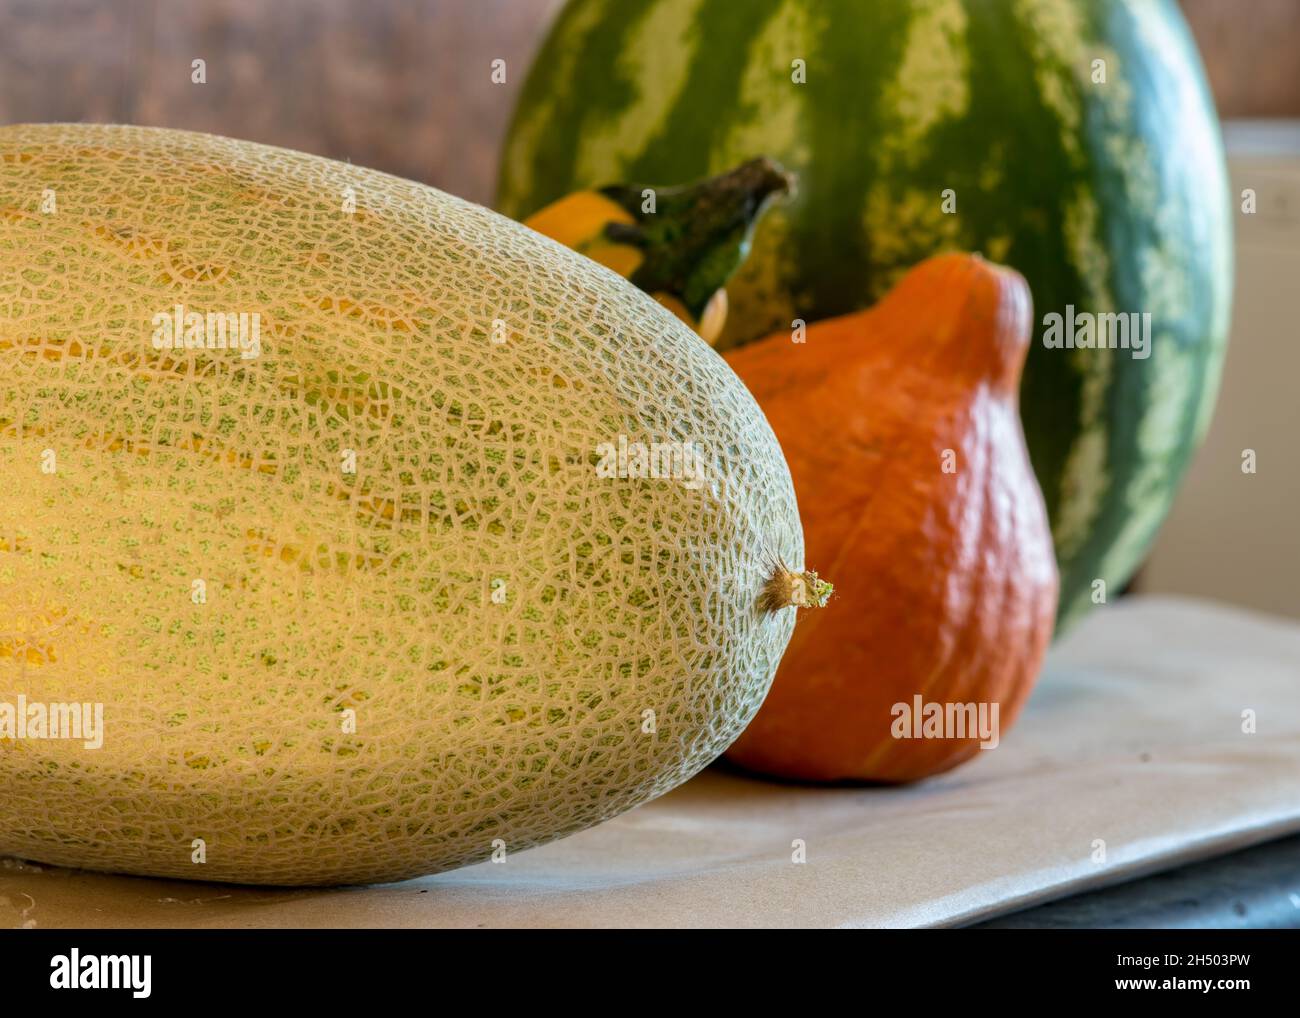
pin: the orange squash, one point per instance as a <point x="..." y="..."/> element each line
<point x="902" y="431"/>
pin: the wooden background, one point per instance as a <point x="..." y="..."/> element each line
<point x="404" y="85"/>
<point x="399" y="85"/>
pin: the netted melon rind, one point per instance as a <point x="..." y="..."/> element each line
<point x="521" y="721"/>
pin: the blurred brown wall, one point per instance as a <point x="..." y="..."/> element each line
<point x="1251" y="50"/>
<point x="399" y="85"/>
<point x="404" y="85"/>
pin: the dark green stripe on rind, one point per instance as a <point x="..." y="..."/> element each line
<point x="842" y="76"/>
<point x="680" y="150"/>
<point x="575" y="106"/>
<point x="599" y="31"/>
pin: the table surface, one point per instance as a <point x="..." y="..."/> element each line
<point x="1257" y="888"/>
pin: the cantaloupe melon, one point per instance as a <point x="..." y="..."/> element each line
<point x="374" y="596"/>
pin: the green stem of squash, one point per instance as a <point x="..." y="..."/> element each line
<point x="699" y="233"/>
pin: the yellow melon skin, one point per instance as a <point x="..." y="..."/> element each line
<point x="314" y="676"/>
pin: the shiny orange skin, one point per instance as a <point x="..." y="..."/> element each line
<point x="945" y="582"/>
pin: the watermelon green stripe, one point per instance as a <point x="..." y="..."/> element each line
<point x="656" y="71"/>
<point x="1107" y="196"/>
<point x="1181" y="275"/>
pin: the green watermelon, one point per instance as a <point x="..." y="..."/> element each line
<point x="1076" y="138"/>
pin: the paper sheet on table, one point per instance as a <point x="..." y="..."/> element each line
<point x="1133" y="738"/>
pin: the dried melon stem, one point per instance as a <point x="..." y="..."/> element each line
<point x="786" y="588"/>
